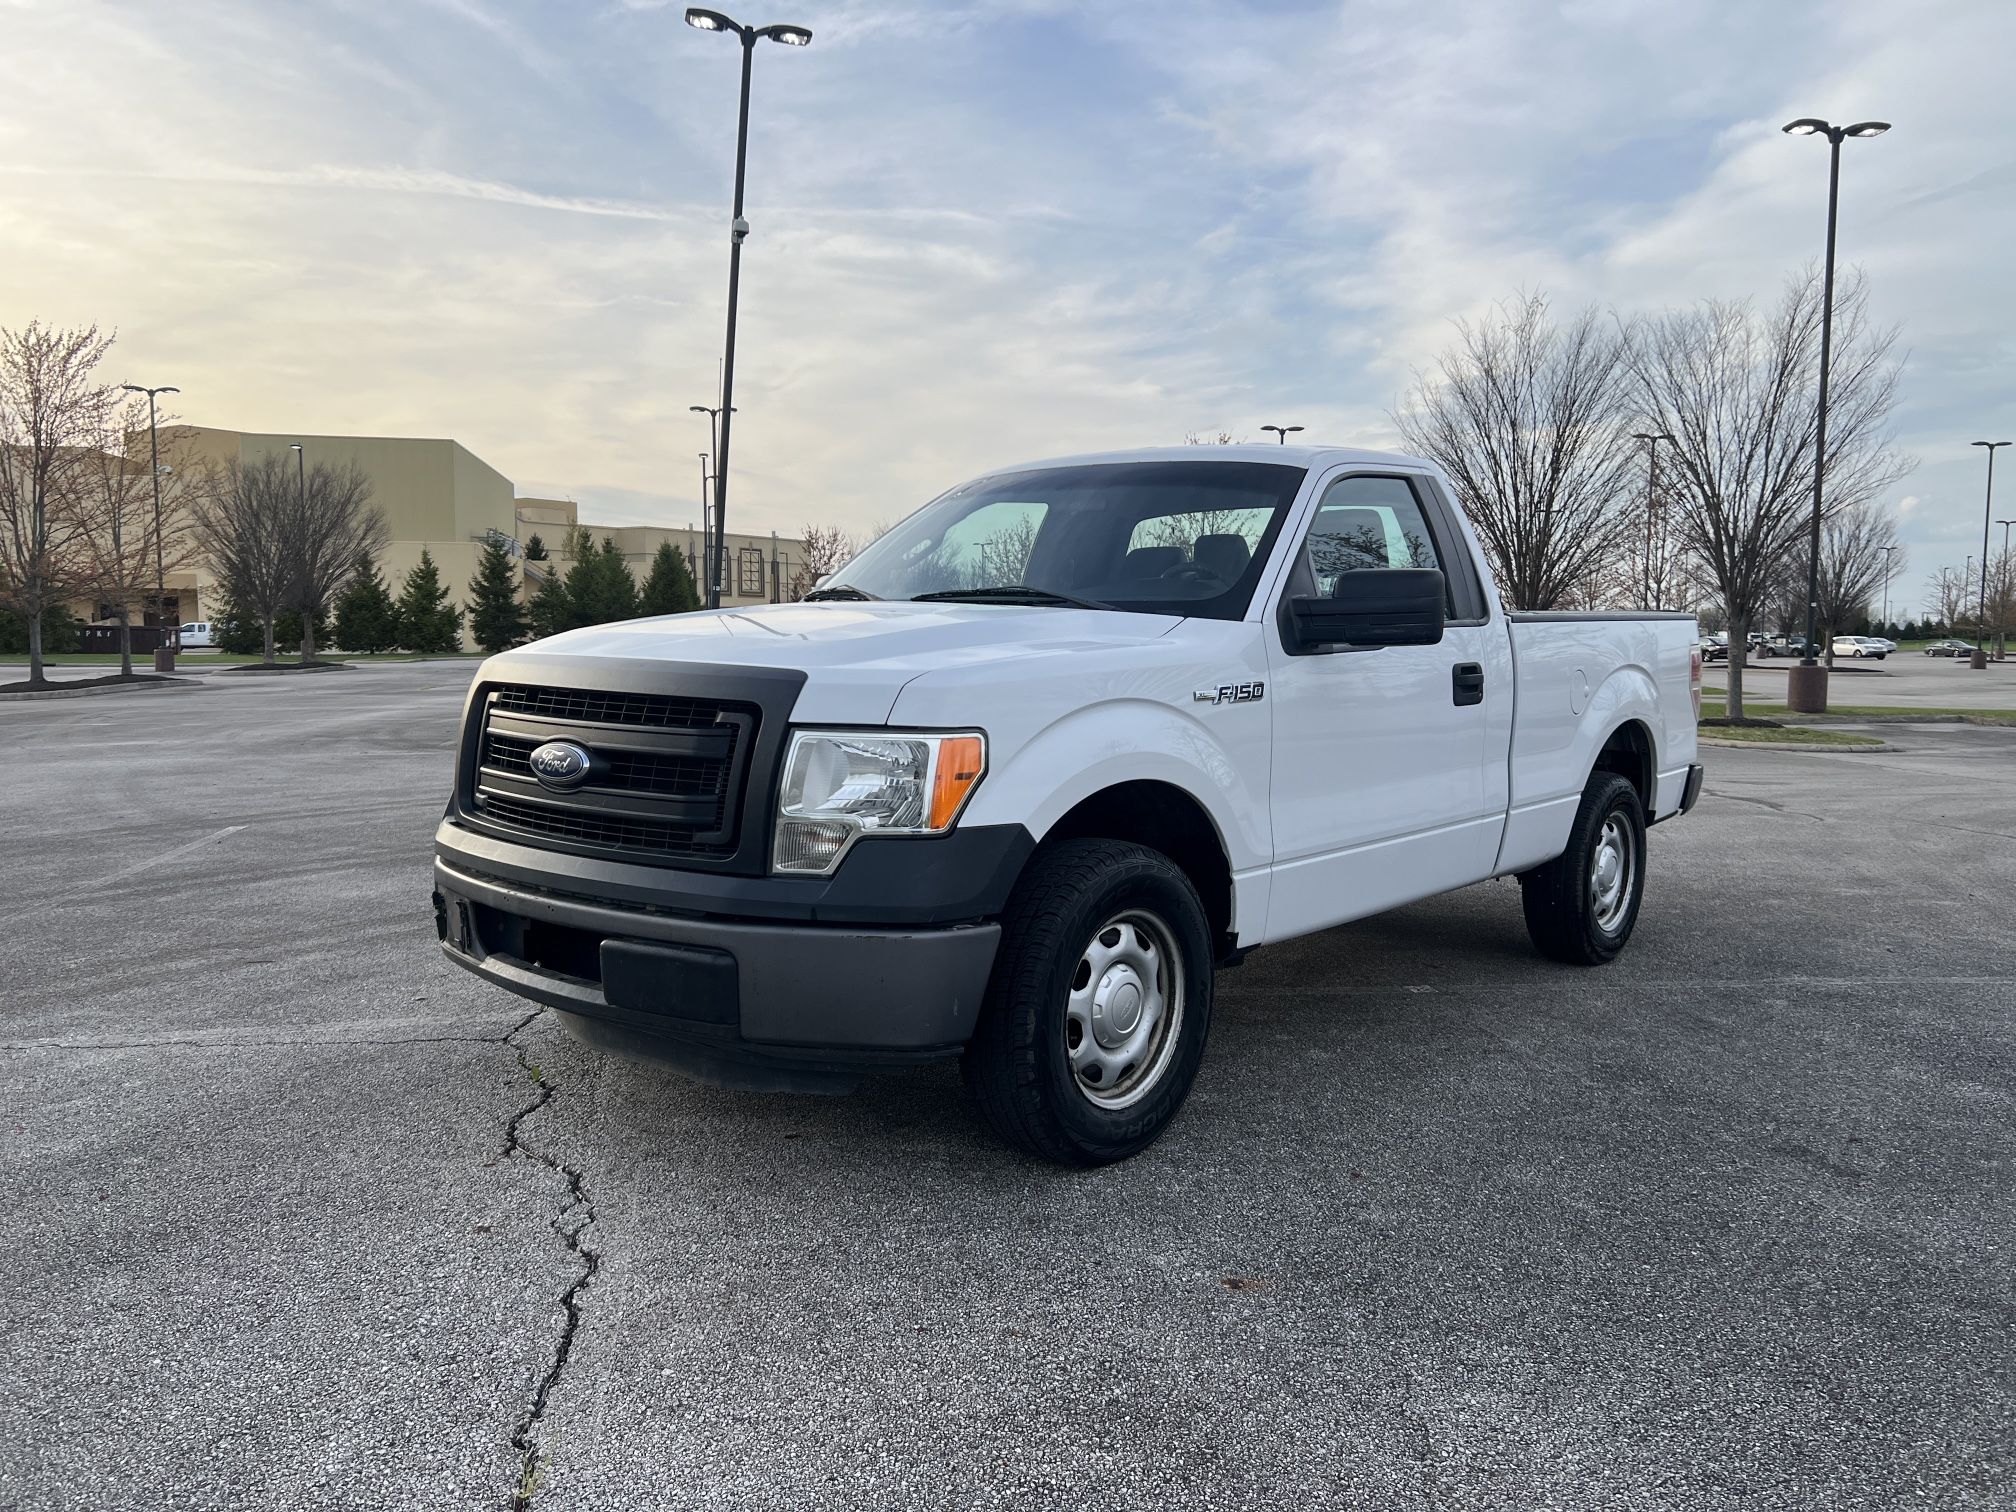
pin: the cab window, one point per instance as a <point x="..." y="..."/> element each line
<point x="1367" y="523"/>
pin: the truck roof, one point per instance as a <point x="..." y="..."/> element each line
<point x="1297" y="456"/>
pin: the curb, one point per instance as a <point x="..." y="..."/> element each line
<point x="1787" y="745"/>
<point x="134" y="687"/>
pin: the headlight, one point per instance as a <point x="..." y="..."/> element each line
<point x="842" y="784"/>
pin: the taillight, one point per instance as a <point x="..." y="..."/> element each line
<point x="1694" y="683"/>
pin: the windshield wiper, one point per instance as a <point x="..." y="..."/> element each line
<point x="839" y="591"/>
<point x="1007" y="593"/>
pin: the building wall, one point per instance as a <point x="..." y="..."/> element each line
<point x="761" y="578"/>
<point x="436" y="495"/>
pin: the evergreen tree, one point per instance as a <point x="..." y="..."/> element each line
<point x="496" y="618"/>
<point x="669" y="588"/>
<point x="367" y="620"/>
<point x="599" y="585"/>
<point x="552" y="607"/>
<point x="535" y="549"/>
<point x="428" y="622"/>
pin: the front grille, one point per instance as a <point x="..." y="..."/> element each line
<point x="665" y="779"/>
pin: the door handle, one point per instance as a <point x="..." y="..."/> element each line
<point x="1466" y="681"/>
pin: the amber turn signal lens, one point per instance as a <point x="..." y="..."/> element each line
<point x="961" y="760"/>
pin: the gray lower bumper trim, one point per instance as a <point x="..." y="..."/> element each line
<point x="812" y="987"/>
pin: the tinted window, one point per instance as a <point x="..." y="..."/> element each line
<point x="1367" y="524"/>
<point x="1166" y="537"/>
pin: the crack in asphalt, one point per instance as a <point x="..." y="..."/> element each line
<point x="572" y="1221"/>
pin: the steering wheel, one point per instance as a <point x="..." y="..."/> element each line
<point x="1191" y="572"/>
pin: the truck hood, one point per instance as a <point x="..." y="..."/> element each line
<point x="857" y="656"/>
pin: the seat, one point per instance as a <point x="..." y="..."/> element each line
<point x="1224" y="555"/>
<point x="1152" y="561"/>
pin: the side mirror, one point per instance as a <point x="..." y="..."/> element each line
<point x="1373" y="607"/>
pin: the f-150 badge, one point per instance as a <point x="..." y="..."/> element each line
<point x="1231" y="693"/>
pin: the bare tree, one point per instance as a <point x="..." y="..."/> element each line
<point x="1207" y="438"/>
<point x="1852" y="550"/>
<point x="242" y="528"/>
<point x="1736" y="391"/>
<point x="1531" y="420"/>
<point x="827" y="549"/>
<point x="331" y="525"/>
<point x="128" y="544"/>
<point x="1952" y="597"/>
<point x="53" y="411"/>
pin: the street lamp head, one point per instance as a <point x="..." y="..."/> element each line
<point x="1650" y="436"/>
<point x="294" y="446"/>
<point x="1804" y="126"/>
<point x="790" y="36"/>
<point x="1991" y="445"/>
<point x="709" y="20"/>
<point x="1866" y="129"/>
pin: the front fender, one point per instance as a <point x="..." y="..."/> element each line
<point x="1224" y="768"/>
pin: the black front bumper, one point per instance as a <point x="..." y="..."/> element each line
<point x="797" y="990"/>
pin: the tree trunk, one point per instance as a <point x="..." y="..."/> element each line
<point x="270" y="657"/>
<point x="307" y="637"/>
<point x="125" y="641"/>
<point x="35" y="672"/>
<point x="1739" y="649"/>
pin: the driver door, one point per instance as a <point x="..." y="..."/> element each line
<point x="1389" y="763"/>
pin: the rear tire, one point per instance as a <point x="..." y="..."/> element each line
<point x="1582" y="906"/>
<point x="1099" y="1005"/>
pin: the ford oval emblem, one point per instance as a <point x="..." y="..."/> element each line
<point x="560" y="764"/>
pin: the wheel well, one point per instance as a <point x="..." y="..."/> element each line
<point x="1628" y="753"/>
<point x="1164" y="818"/>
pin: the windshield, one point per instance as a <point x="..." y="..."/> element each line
<point x="1185" y="538"/>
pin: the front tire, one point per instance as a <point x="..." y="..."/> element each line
<point x="1099" y="1005"/>
<point x="1582" y="906"/>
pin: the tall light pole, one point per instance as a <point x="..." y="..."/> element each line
<point x="1980" y="658"/>
<point x="1283" y="431"/>
<point x="713" y="412"/>
<point x="706" y="548"/>
<point x="1886" y="550"/>
<point x="169" y="639"/>
<point x="1806" y="684"/>
<point x="1651" y="440"/>
<point x="738" y="228"/>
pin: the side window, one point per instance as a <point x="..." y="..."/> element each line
<point x="1367" y="523"/>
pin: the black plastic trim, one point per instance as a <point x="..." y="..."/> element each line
<point x="897" y="881"/>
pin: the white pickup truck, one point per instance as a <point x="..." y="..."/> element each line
<point x="1012" y="784"/>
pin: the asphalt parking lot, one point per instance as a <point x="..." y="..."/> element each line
<point x="304" y="1216"/>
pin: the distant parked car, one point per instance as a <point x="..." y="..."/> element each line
<point x="1714" y="648"/>
<point x="1883" y="640"/>
<point x="197" y="633"/>
<point x="1949" y="648"/>
<point x="1787" y="645"/>
<point x="1860" y="646"/>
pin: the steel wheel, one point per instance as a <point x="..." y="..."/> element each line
<point x="1124" y="1014"/>
<point x="1612" y="867"/>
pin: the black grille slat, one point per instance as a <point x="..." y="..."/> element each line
<point x="658" y="711"/>
<point x="608" y="833"/>
<point x="632" y="772"/>
<point x="684" y="755"/>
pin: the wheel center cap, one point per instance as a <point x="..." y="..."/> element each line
<point x="1116" y="1006"/>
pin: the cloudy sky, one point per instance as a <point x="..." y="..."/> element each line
<point x="982" y="231"/>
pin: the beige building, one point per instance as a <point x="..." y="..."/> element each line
<point x="759" y="569"/>
<point x="438" y="496"/>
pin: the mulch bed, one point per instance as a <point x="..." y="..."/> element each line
<point x="58" y="684"/>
